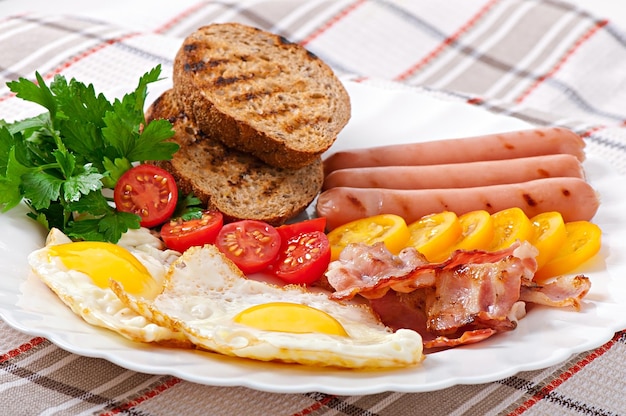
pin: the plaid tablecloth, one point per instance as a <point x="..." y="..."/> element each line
<point x="545" y="62"/>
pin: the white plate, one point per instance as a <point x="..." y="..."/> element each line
<point x="380" y="115"/>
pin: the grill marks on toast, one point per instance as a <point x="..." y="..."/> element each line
<point x="262" y="99"/>
<point x="236" y="183"/>
<point x="260" y="93"/>
<point x="241" y="186"/>
<point x="252" y="112"/>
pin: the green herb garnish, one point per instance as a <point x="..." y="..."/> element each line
<point x="63" y="161"/>
<point x="188" y="208"/>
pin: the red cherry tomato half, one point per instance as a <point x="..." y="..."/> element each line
<point x="148" y="191"/>
<point x="289" y="230"/>
<point x="179" y="234"/>
<point x="303" y="258"/>
<point x="252" y="245"/>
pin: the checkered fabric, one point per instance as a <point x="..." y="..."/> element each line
<point x="545" y="62"/>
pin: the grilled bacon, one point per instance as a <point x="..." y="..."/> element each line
<point x="465" y="299"/>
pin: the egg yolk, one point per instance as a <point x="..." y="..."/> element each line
<point x="290" y="317"/>
<point x="104" y="261"/>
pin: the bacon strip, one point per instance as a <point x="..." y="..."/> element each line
<point x="478" y="294"/>
<point x="468" y="337"/>
<point x="561" y="292"/>
<point x="372" y="270"/>
<point x="465" y="299"/>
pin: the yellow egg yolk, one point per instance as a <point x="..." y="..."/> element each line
<point x="104" y="261"/>
<point x="290" y="317"/>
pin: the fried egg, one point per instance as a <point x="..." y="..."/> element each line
<point x="207" y="298"/>
<point x="79" y="273"/>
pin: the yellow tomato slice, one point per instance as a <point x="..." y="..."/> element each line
<point x="388" y="228"/>
<point x="509" y="225"/>
<point x="477" y="233"/>
<point x="549" y="235"/>
<point x="582" y="243"/>
<point x="434" y="233"/>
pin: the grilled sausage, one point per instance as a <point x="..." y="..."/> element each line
<point x="510" y="145"/>
<point x="457" y="175"/>
<point x="574" y="198"/>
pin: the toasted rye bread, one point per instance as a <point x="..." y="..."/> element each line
<point x="258" y="93"/>
<point x="237" y="184"/>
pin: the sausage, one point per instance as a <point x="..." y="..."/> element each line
<point x="510" y="145"/>
<point x="458" y="175"/>
<point x="574" y="198"/>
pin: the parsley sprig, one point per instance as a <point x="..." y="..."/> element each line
<point x="63" y="161"/>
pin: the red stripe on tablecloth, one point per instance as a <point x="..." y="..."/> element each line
<point x="585" y="37"/>
<point x="592" y="130"/>
<point x="333" y="21"/>
<point x="447" y="41"/>
<point x="21" y="349"/>
<point x="315" y="406"/>
<point x="179" y="17"/>
<point x="76" y="58"/>
<point x="170" y="382"/>
<point x="588" y="359"/>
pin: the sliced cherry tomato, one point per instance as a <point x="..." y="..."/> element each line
<point x="510" y="225"/>
<point x="148" y="191"/>
<point x="582" y="243"/>
<point x="477" y="233"/>
<point x="548" y="236"/>
<point x="179" y="234"/>
<point x="252" y="245"/>
<point x="388" y="228"/>
<point x="289" y="230"/>
<point x="434" y="233"/>
<point x="303" y="258"/>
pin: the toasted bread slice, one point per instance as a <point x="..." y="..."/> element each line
<point x="237" y="184"/>
<point x="256" y="92"/>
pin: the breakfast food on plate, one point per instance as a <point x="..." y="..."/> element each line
<point x="492" y="201"/>
<point x="208" y="298"/>
<point x="455" y="175"/>
<point x="561" y="246"/>
<point x="574" y="198"/>
<point x="252" y="115"/>
<point x="259" y="93"/>
<point x="79" y="274"/>
<point x="465" y="299"/>
<point x="200" y="299"/>
<point x="237" y="184"/>
<point x="535" y="170"/>
<point x="501" y="146"/>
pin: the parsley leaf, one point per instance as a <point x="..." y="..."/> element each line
<point x="62" y="160"/>
<point x="83" y="181"/>
<point x="36" y="92"/>
<point x="101" y="221"/>
<point x="41" y="188"/>
<point x="188" y="208"/>
<point x="11" y="183"/>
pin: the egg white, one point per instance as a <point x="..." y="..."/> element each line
<point x="204" y="291"/>
<point x="100" y="306"/>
